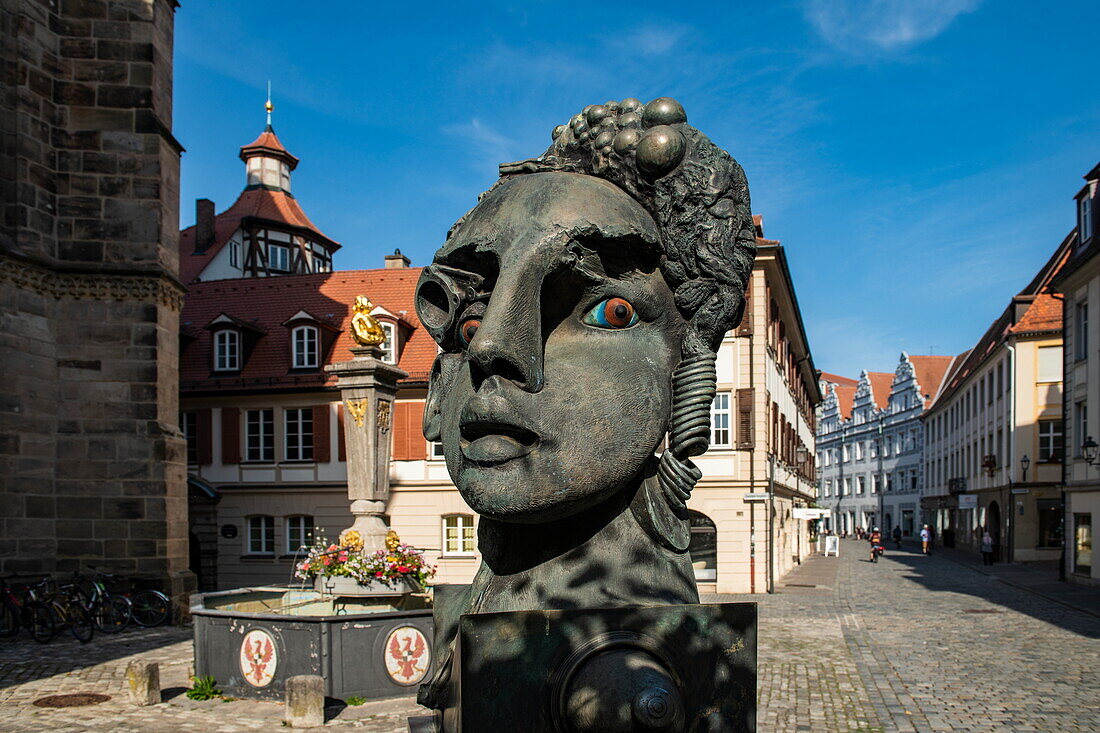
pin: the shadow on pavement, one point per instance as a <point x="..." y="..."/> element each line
<point x="942" y="572"/>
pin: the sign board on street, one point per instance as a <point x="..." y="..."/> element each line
<point x="832" y="545"/>
<point x="968" y="501"/>
<point x="1021" y="491"/>
<point x="809" y="513"/>
<point x="756" y="497"/>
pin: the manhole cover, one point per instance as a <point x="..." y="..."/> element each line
<point x="982" y="610"/>
<point x="75" y="700"/>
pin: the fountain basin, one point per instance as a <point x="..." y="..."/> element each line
<point x="251" y="640"/>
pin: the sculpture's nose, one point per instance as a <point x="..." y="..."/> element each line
<point x="508" y="342"/>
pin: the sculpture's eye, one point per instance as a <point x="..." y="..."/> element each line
<point x="468" y="330"/>
<point x="612" y="313"/>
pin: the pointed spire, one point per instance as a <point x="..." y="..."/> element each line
<point x="268" y="105"/>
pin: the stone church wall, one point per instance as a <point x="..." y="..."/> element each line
<point x="92" y="465"/>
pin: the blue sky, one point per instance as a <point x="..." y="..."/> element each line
<point x="917" y="158"/>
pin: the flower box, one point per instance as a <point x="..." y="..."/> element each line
<point x="352" y="588"/>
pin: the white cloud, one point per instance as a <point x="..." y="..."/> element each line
<point x="859" y="26"/>
<point x="489" y="147"/>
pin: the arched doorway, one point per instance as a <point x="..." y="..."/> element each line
<point x="704" y="546"/>
<point x="993" y="524"/>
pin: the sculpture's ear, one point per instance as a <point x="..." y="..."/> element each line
<point x="444" y="370"/>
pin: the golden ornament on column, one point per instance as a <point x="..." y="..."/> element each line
<point x="365" y="328"/>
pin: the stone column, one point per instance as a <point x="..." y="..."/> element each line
<point x="367" y="387"/>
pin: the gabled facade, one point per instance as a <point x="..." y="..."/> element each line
<point x="995" y="434"/>
<point x="264" y="233"/>
<point x="870" y="444"/>
<point x="1080" y="284"/>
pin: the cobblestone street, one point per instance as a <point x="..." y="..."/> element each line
<point x="912" y="643"/>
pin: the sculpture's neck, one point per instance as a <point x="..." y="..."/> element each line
<point x="600" y="557"/>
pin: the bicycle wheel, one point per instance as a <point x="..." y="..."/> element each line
<point x="113" y="614"/>
<point x="79" y="622"/>
<point x="41" y="621"/>
<point x="9" y="619"/>
<point x="151" y="608"/>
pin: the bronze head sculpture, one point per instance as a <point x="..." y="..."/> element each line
<point x="579" y="308"/>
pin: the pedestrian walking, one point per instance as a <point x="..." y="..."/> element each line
<point x="897" y="537"/>
<point x="987" y="548"/>
<point x="925" y="539"/>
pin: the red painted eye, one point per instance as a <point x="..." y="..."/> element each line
<point x="468" y="330"/>
<point x="618" y="313"/>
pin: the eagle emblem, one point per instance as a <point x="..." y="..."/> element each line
<point x="407" y="657"/>
<point x="358" y="410"/>
<point x="258" y="658"/>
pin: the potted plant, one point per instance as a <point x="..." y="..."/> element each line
<point x="346" y="569"/>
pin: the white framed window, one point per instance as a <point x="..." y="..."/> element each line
<point x="720" y="420"/>
<point x="299" y="434"/>
<point x="1081" y="330"/>
<point x="389" y="346"/>
<point x="859" y="451"/>
<point x="847" y="486"/>
<point x="227" y="350"/>
<point x="261" y="535"/>
<point x="827" y="456"/>
<point x="1049" y="440"/>
<point x="278" y="257"/>
<point x="299" y="533"/>
<point x="259" y="435"/>
<point x="234" y="255"/>
<point x="1084" y="219"/>
<point x="305" y="351"/>
<point x="1081" y="422"/>
<point x="844" y="457"/>
<point x="861" y="484"/>
<point x="459" y="539"/>
<point x="828" y="488"/>
<point x="189" y="426"/>
<point x="436" y="453"/>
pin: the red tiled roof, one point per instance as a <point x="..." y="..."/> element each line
<point x="930" y="371"/>
<point x="880" y="387"/>
<point x="1044" y="314"/>
<point x="270" y="302"/>
<point x="845" y="389"/>
<point x="267" y="142"/>
<point x="260" y="204"/>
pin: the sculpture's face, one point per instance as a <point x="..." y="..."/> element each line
<point x="558" y="391"/>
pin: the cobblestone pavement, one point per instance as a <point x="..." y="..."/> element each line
<point x="912" y="643"/>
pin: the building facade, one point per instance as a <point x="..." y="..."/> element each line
<point x="870" y="445"/>
<point x="91" y="458"/>
<point x="264" y="418"/>
<point x="994" y="437"/>
<point x="1080" y="283"/>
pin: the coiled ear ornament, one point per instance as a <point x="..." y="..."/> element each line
<point x="661" y="503"/>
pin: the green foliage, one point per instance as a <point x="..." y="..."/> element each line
<point x="203" y="688"/>
<point x="355" y="700"/>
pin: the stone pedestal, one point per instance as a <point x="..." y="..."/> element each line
<point x="368" y="386"/>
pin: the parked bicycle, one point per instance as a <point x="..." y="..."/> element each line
<point x="30" y="612"/>
<point x="70" y="613"/>
<point x="110" y="612"/>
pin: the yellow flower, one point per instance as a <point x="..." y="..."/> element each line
<point x="351" y="539"/>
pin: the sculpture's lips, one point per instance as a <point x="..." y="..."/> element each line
<point x="489" y="442"/>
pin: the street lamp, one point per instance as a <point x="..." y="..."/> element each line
<point x="1024" y="463"/>
<point x="801" y="455"/>
<point x="1089" y="449"/>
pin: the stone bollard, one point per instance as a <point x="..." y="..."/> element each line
<point x="143" y="679"/>
<point x="305" y="701"/>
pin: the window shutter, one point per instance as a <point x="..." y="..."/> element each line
<point x="745" y="398"/>
<point x="400" y="448"/>
<point x="322" y="442"/>
<point x="231" y="435"/>
<point x="341" y="441"/>
<point x="204" y="450"/>
<point x="745" y="329"/>
<point x="417" y="449"/>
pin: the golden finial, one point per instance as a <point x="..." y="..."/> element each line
<point x="392" y="540"/>
<point x="365" y="328"/>
<point x="268" y="105"/>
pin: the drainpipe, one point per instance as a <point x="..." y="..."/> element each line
<point x="1065" y="431"/>
<point x="752" y="473"/>
<point x="1011" y="439"/>
<point x="771" y="525"/>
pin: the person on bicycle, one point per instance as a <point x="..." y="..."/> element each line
<point x="897" y="537"/>
<point x="875" y="538"/>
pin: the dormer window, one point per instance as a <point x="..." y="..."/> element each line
<point x="389" y="346"/>
<point x="1084" y="219"/>
<point x="305" y="351"/>
<point x="227" y="350"/>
